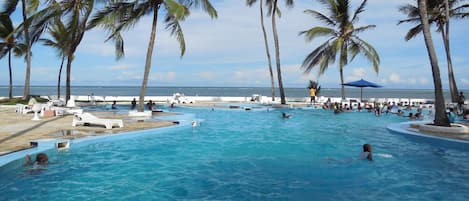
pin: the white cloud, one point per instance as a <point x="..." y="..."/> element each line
<point x="465" y="81"/>
<point x="122" y="66"/>
<point x="164" y="76"/>
<point x="207" y="75"/>
<point x="395" y="78"/>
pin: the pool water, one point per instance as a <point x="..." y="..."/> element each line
<point x="250" y="155"/>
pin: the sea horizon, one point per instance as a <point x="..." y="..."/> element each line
<point x="106" y="90"/>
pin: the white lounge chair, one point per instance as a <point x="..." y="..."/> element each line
<point x="87" y="118"/>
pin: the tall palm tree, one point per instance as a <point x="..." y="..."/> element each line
<point x="27" y="8"/>
<point x="439" y="12"/>
<point x="272" y="81"/>
<point x="342" y="39"/>
<point x="275" y="11"/>
<point x="8" y="44"/>
<point x="121" y="15"/>
<point x="440" y="117"/>
<point x="60" y="38"/>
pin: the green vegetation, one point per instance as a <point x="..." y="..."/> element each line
<point x="342" y="39"/>
<point x="122" y="15"/>
<point x="439" y="13"/>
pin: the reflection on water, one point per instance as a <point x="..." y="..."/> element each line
<point x="69" y="133"/>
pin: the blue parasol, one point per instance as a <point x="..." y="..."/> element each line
<point x="362" y="83"/>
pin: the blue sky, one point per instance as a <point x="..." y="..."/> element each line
<point x="229" y="51"/>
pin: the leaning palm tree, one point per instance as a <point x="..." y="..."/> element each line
<point x="342" y="39"/>
<point x="272" y="81"/>
<point x="275" y="11"/>
<point x="60" y="38"/>
<point x="440" y="117"/>
<point x="439" y="12"/>
<point x="121" y="15"/>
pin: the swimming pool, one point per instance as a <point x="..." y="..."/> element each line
<point x="250" y="155"/>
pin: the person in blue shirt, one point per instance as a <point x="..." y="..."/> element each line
<point x="451" y="115"/>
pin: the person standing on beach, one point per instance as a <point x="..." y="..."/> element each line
<point x="312" y="94"/>
<point x="461" y="100"/>
<point x="133" y="104"/>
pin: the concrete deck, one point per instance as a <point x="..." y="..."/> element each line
<point x="17" y="130"/>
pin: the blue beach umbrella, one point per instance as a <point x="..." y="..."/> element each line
<point x="362" y="83"/>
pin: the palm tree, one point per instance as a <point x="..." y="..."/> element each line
<point x="8" y="8"/>
<point x="275" y="11"/>
<point x="250" y="3"/>
<point x="119" y="15"/>
<point x="439" y="12"/>
<point x="7" y="35"/>
<point x="59" y="41"/>
<point x="342" y="41"/>
<point x="440" y="117"/>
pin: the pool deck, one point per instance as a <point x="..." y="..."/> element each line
<point x="409" y="129"/>
<point x="17" y="130"/>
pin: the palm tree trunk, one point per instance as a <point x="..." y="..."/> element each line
<point x="342" y="91"/>
<point x="10" y="88"/>
<point x="148" y="59"/>
<point x="28" y="52"/>
<point x="445" y="33"/>
<point x="60" y="74"/>
<point x="267" y="51"/>
<point x="67" y="82"/>
<point x="277" y="55"/>
<point x="440" y="116"/>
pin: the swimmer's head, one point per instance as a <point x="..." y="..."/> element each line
<point x="367" y="148"/>
<point x="42" y="158"/>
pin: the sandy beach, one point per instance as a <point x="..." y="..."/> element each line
<point x="19" y="130"/>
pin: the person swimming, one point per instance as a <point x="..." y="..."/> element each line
<point x="285" y="115"/>
<point x="366" y="154"/>
<point x="41" y="159"/>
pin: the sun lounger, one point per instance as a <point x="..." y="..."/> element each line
<point x="87" y="118"/>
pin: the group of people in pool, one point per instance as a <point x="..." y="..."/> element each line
<point x="42" y="159"/>
<point x="133" y="104"/>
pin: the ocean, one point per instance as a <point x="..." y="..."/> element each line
<point x="227" y="91"/>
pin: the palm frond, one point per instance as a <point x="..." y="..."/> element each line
<point x="359" y="9"/>
<point x="316" y="32"/>
<point x="410" y="20"/>
<point x="414" y="31"/>
<point x="176" y="10"/>
<point x="207" y="7"/>
<point x="316" y="56"/>
<point x="9" y="6"/>
<point x="321" y="17"/>
<point x="20" y="49"/>
<point x="6" y="26"/>
<point x="173" y="25"/>
<point x="363" y="28"/>
<point x="250" y="2"/>
<point x="368" y="51"/>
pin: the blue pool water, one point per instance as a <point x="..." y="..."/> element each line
<point x="250" y="155"/>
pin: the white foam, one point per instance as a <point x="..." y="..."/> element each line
<point x="385" y="155"/>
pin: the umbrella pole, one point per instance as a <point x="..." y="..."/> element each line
<point x="361" y="94"/>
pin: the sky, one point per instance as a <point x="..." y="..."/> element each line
<point x="229" y="51"/>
